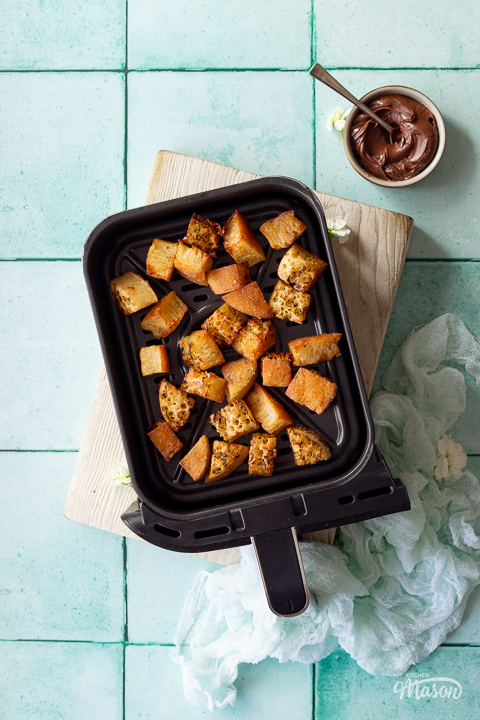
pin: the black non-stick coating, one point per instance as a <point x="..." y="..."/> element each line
<point x="120" y="244"/>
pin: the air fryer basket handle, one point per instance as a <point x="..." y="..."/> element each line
<point x="281" y="568"/>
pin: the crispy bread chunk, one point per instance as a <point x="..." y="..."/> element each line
<point x="314" y="349"/>
<point x="225" y="459"/>
<point x="283" y="230"/>
<point x="262" y="454"/>
<point x="175" y="405"/>
<point x="276" y="369"/>
<point x="200" y="351"/>
<point x="300" y="268"/>
<point x="255" y="338"/>
<point x="312" y="389"/>
<point x="240" y="241"/>
<point x="307" y="446"/>
<point x="160" y="259"/>
<point x="228" y="278"/>
<point x="165" y="440"/>
<point x="267" y="411"/>
<point x="204" y="234"/>
<point x="234" y="421"/>
<point x="225" y="324"/>
<point x="240" y="376"/>
<point x="206" y="384"/>
<point x="197" y="461"/>
<point x="288" y="303"/>
<point x="132" y="293"/>
<point x="249" y="300"/>
<point x="192" y="263"/>
<point x="154" y="359"/>
<point x="165" y="316"/>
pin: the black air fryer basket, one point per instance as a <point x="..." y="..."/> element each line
<point x="177" y="513"/>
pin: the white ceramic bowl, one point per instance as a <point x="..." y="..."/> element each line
<point x="416" y="95"/>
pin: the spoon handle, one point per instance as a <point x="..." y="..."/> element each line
<point x="319" y="73"/>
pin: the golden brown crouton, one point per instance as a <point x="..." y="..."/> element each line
<point x="154" y="359"/>
<point x="234" y="421"/>
<point x="240" y="241"/>
<point x="312" y="389"/>
<point x="204" y="234"/>
<point x="267" y="411"/>
<point x="240" y="376"/>
<point x="307" y="446"/>
<point x="205" y="384"/>
<point x="197" y="461"/>
<point x="262" y="454"/>
<point x="225" y="324"/>
<point x="288" y="303"/>
<point x="255" y="338"/>
<point x="200" y="351"/>
<point x="160" y="259"/>
<point x="165" y="316"/>
<point x="314" y="349"/>
<point x="225" y="459"/>
<point x="228" y="278"/>
<point x="175" y="405"/>
<point x="276" y="369"/>
<point x="283" y="230"/>
<point x="165" y="440"/>
<point x="132" y="293"/>
<point x="249" y="300"/>
<point x="300" y="268"/>
<point x="192" y="263"/>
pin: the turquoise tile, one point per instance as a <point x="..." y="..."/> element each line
<point x="62" y="153"/>
<point x="444" y="205"/>
<point x="256" y="121"/>
<point x="50" y="356"/>
<point x="405" y="34"/>
<point x="158" y="583"/>
<point x="60" y="580"/>
<point x="268" y="690"/>
<point x="345" y="691"/>
<point x="61" y="681"/>
<point x="216" y="34"/>
<point x="55" y="35"/>
<point x="426" y="291"/>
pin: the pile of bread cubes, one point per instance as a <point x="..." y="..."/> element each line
<point x="242" y="322"/>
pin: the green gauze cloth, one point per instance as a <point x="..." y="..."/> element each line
<point x="390" y="589"/>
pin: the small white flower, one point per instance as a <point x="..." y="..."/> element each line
<point x="337" y="119"/>
<point x="451" y="458"/>
<point x="338" y="228"/>
<point x="121" y="475"/>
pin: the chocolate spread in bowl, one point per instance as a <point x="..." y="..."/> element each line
<point x="409" y="151"/>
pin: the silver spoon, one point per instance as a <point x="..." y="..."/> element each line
<point x="319" y="73"/>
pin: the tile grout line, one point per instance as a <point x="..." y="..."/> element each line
<point x="236" y="70"/>
<point x="314" y="694"/>
<point x="314" y="118"/>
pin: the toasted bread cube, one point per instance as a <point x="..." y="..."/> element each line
<point x="283" y="230"/>
<point x="165" y="440"/>
<point x="276" y="369"/>
<point x="234" y="421"/>
<point x="197" y="461"/>
<point x="204" y="234"/>
<point x="288" y="303"/>
<point x="312" y="389"/>
<point x="254" y="339"/>
<point x="206" y="384"/>
<point x="160" y="259"/>
<point x="200" y="351"/>
<point x="240" y="241"/>
<point x="165" y="316"/>
<point x="192" y="263"/>
<point x="228" y="278"/>
<point x="249" y="300"/>
<point x="132" y="293"/>
<point x="154" y="359"/>
<point x="225" y="324"/>
<point x="267" y="411"/>
<point x="314" y="349"/>
<point x="240" y="376"/>
<point x="262" y="454"/>
<point x="300" y="268"/>
<point x="175" y="405"/>
<point x="307" y="446"/>
<point x="225" y="459"/>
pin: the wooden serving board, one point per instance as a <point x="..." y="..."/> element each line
<point x="369" y="265"/>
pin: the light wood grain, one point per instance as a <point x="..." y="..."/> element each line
<point x="369" y="265"/>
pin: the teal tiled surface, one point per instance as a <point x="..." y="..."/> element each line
<point x="216" y="34"/>
<point x="61" y="144"/>
<point x="61" y="681"/>
<point x="267" y="690"/>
